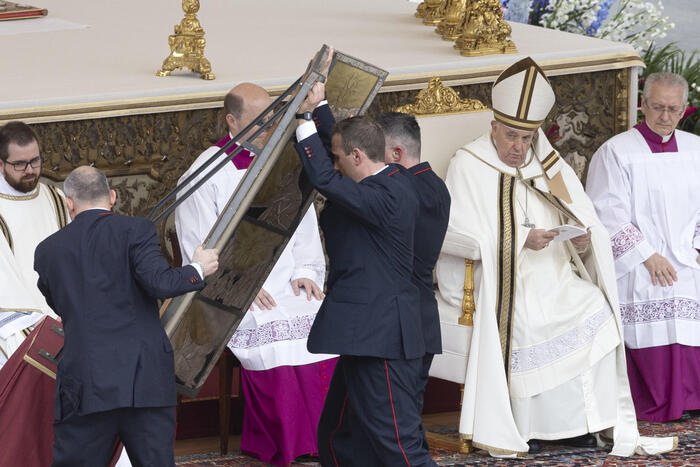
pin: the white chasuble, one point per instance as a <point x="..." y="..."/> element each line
<point x="650" y="203"/>
<point x="546" y="332"/>
<point x="265" y="338"/>
<point x="25" y="220"/>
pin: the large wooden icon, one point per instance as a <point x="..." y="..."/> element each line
<point x="258" y="220"/>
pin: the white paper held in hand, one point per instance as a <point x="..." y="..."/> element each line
<point x="567" y="232"/>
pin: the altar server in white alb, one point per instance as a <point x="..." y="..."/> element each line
<point x="284" y="385"/>
<point x="645" y="185"/>
<point x="29" y="212"/>
<point x="546" y="360"/>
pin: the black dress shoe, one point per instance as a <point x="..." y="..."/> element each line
<point x="583" y="441"/>
<point x="307" y="458"/>
<point x="535" y="446"/>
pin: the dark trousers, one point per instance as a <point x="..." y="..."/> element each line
<point x="420" y="392"/>
<point x="423" y="380"/>
<point x="370" y="416"/>
<point x="88" y="440"/>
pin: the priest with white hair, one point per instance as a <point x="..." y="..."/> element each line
<point x="645" y="185"/>
<point x="546" y="360"/>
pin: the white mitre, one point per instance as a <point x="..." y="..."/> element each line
<point x="522" y="96"/>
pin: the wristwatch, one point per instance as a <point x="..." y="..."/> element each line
<point x="304" y="116"/>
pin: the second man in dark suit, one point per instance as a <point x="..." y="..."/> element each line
<point x="371" y="314"/>
<point x="102" y="274"/>
<point x="403" y="147"/>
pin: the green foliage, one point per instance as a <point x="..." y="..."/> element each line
<point x="691" y="123"/>
<point x="671" y="58"/>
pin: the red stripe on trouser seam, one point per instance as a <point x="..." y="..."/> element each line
<point x="393" y="411"/>
<point x="340" y="420"/>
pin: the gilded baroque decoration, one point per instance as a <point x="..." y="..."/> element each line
<point x="144" y="155"/>
<point x="439" y="99"/>
<point x="420" y="11"/>
<point x="187" y="45"/>
<point x="451" y="25"/>
<point x="622" y="85"/>
<point x="468" y="305"/>
<point x="484" y="31"/>
<point x="431" y="11"/>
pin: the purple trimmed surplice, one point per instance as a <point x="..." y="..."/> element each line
<point x="243" y="159"/>
<point x="664" y="380"/>
<point x="282" y="409"/>
<point x="656" y="142"/>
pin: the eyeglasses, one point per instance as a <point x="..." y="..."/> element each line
<point x="21" y="166"/>
<point x="673" y="110"/>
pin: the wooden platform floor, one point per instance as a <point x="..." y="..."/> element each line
<point x="188" y="447"/>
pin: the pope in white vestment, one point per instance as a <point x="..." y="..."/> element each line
<point x="284" y="385"/>
<point x="645" y="184"/>
<point x="545" y="360"/>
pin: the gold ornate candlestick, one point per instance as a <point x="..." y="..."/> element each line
<point x="452" y="23"/>
<point x="420" y="11"/>
<point x="432" y="11"/>
<point x="187" y="45"/>
<point x="485" y="31"/>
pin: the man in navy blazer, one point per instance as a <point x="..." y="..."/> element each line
<point x="371" y="314"/>
<point x="403" y="147"/>
<point x="102" y="274"/>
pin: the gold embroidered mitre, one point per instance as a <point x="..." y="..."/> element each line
<point x="522" y="98"/>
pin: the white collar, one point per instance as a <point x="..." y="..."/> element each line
<point x="375" y="173"/>
<point x="6" y="189"/>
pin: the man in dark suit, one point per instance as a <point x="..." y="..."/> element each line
<point x="102" y="274"/>
<point x="403" y="147"/>
<point x="370" y="315"/>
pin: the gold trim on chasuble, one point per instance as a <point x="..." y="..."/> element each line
<point x="21" y="197"/>
<point x="507" y="241"/>
<point x="59" y="205"/>
<point x="6" y="232"/>
<point x="549" y="161"/>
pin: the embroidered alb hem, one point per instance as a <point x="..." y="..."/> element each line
<point x="273" y="331"/>
<point x="650" y="311"/>
<point x="540" y="355"/>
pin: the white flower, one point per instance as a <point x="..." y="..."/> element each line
<point x="634" y="21"/>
